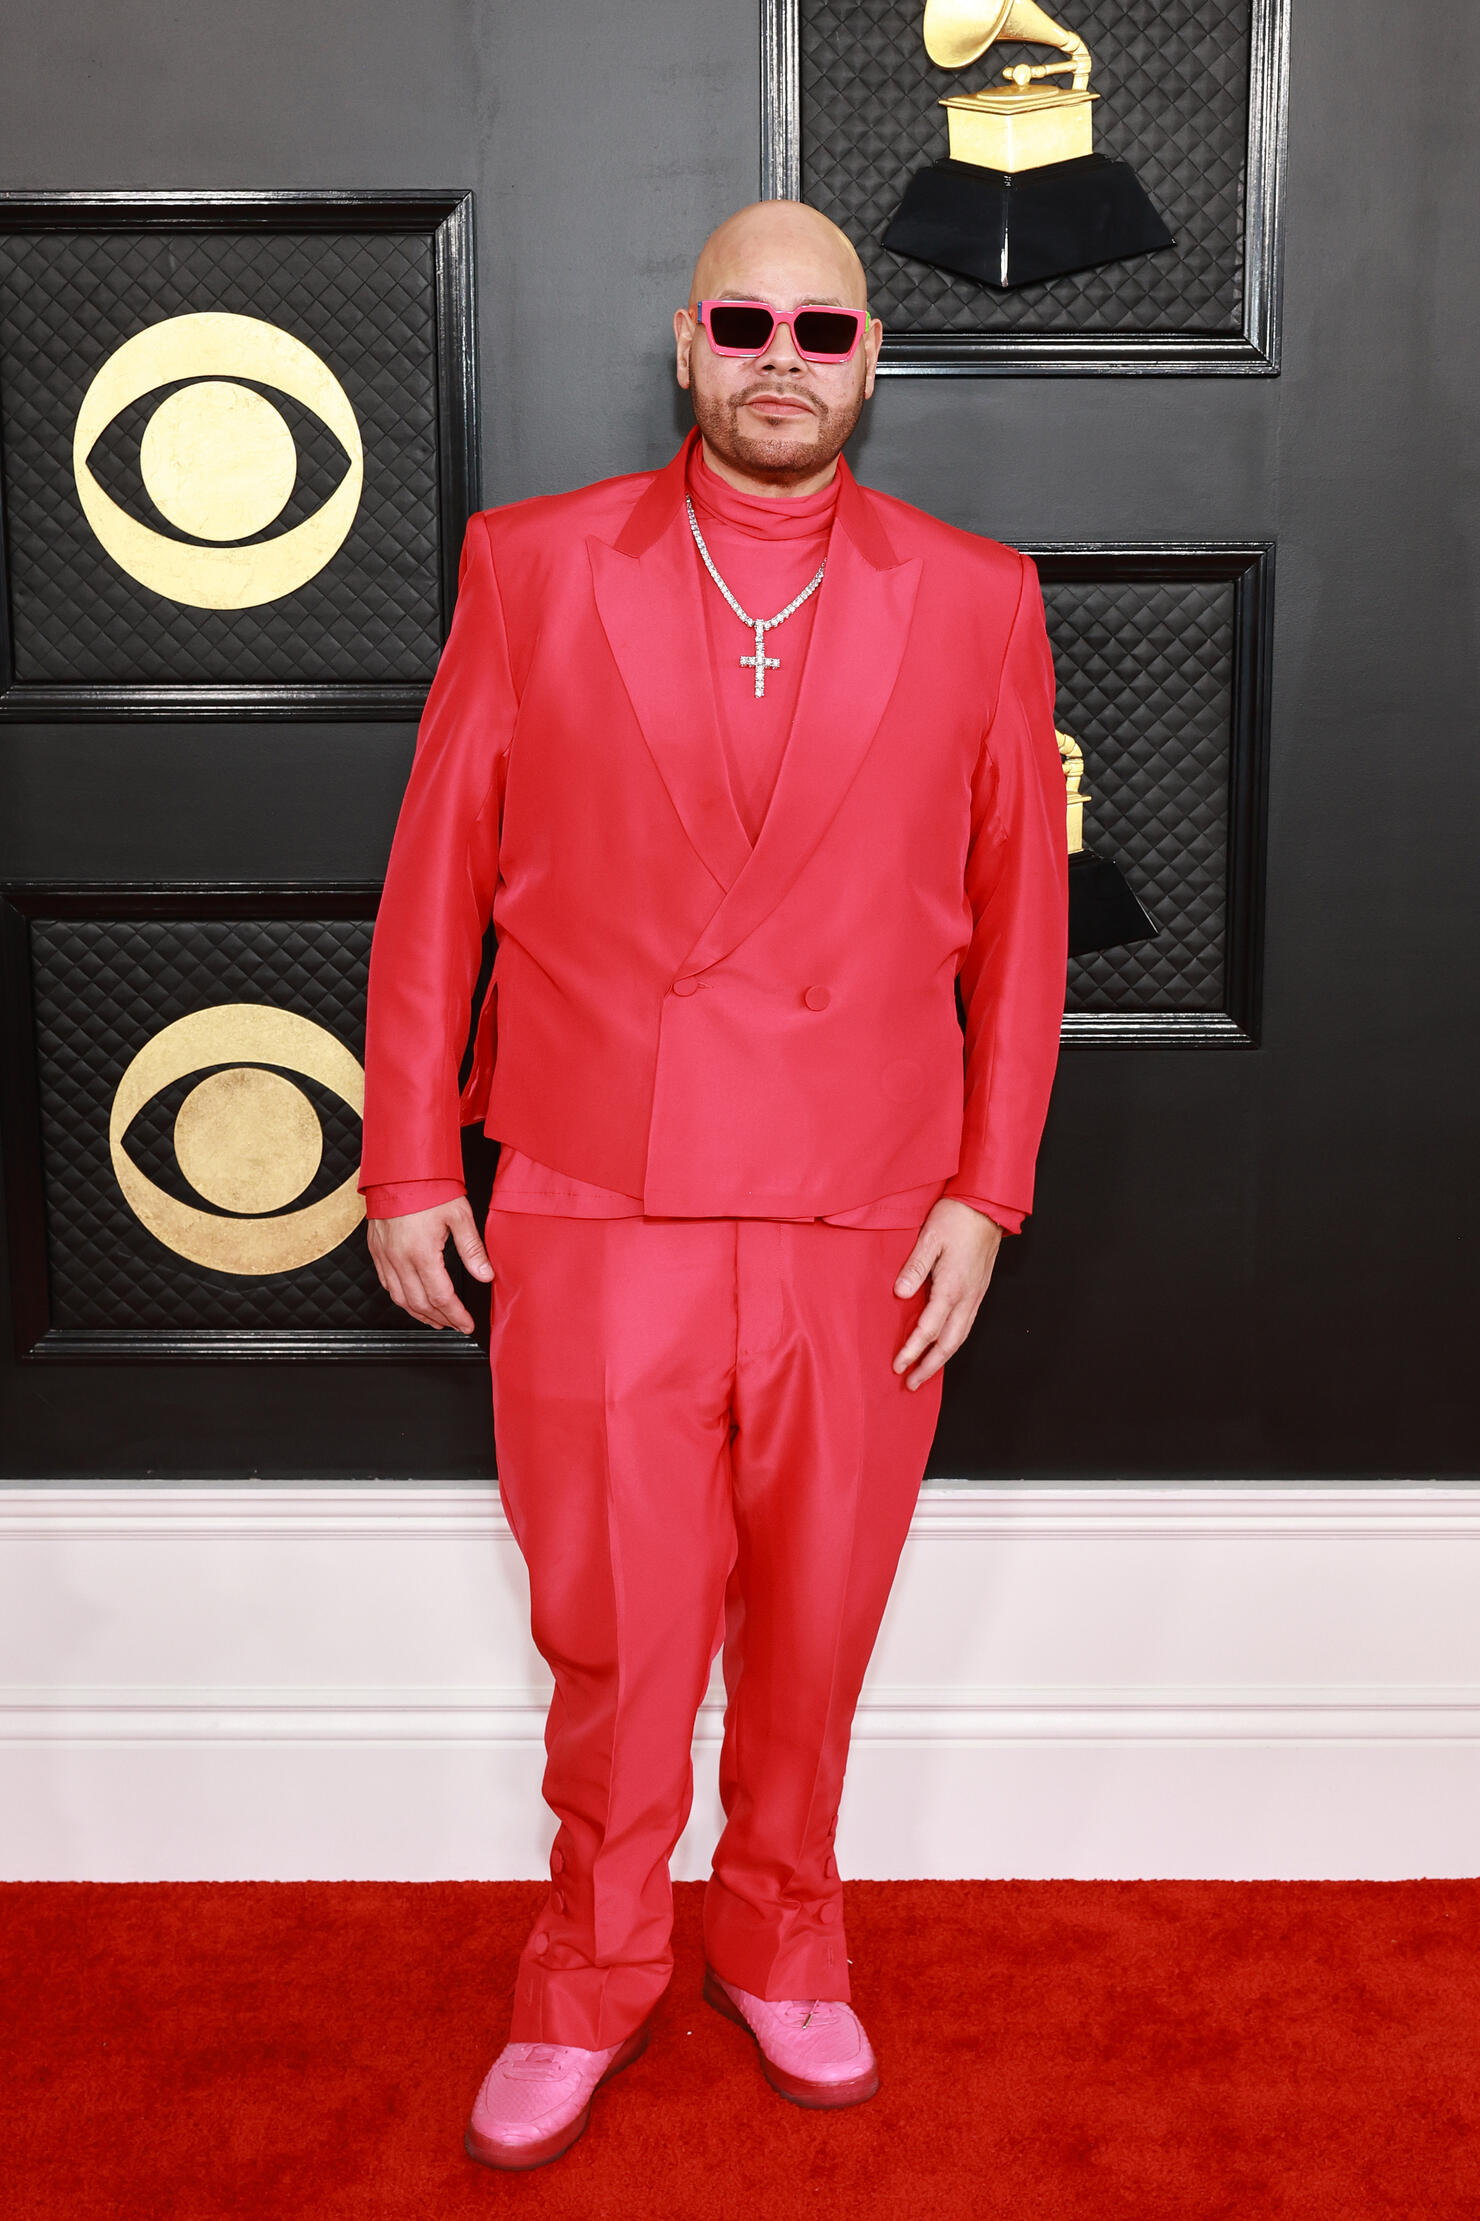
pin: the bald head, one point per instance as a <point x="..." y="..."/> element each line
<point x="775" y="422"/>
<point x="776" y="249"/>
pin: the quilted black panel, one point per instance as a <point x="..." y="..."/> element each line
<point x="102" y="989"/>
<point x="365" y="302"/>
<point x="1174" y="81"/>
<point x="1145" y="678"/>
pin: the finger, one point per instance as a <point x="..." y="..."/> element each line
<point x="918" y="1263"/>
<point x="412" y="1299"/>
<point x="397" y="1275"/>
<point x="927" y="1326"/>
<point x="389" y="1279"/>
<point x="945" y="1345"/>
<point x="411" y="1293"/>
<point x="927" y="1369"/>
<point x="398" y="1285"/>
<point x="448" y="1316"/>
<point x="441" y="1298"/>
<point x="948" y="1341"/>
<point x="465" y="1241"/>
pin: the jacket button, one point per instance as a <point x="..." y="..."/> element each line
<point x="830" y="1912"/>
<point x="539" y="1944"/>
<point x="686" y="986"/>
<point x="817" y="998"/>
<point x="557" y="1860"/>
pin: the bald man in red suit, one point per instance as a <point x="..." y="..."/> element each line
<point x="750" y="768"/>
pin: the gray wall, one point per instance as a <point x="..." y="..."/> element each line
<point x="1241" y="1262"/>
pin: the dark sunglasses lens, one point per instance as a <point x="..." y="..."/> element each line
<point x="822" y="331"/>
<point x="731" y="324"/>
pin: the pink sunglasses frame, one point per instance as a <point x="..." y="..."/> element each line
<point x="861" y="322"/>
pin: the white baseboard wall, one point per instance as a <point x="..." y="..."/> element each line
<point x="285" y="1682"/>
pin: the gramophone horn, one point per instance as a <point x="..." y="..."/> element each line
<point x="957" y="31"/>
<point x="1022" y="195"/>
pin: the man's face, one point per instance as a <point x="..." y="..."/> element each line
<point x="773" y="415"/>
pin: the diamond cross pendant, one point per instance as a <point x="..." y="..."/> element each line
<point x="761" y="663"/>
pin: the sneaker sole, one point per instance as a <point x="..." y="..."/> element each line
<point x="820" y="2096"/>
<point x="490" y="2153"/>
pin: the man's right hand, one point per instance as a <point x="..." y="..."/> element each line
<point x="407" y="1255"/>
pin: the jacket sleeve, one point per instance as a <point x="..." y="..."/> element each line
<point x="404" y="1196"/>
<point x="1017" y="882"/>
<point x="438" y="896"/>
<point x="1010" y="1221"/>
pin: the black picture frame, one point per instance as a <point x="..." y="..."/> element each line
<point x="1253" y="350"/>
<point x="1247" y="567"/>
<point x="445" y="218"/>
<point x="37" y="1337"/>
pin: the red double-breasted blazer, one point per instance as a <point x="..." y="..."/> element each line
<point x="717" y="1029"/>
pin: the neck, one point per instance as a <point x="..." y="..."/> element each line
<point x="794" y="488"/>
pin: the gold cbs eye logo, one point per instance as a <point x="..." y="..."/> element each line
<point x="217" y="459"/>
<point x="246" y="1138"/>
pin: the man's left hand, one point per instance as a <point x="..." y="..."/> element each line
<point x="957" y="1248"/>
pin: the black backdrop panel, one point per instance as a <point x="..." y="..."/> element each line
<point x="1190" y="96"/>
<point x="1161" y="657"/>
<point x="101" y="986"/>
<point x="1253" y="1265"/>
<point x="380" y="308"/>
<point x="1145" y="672"/>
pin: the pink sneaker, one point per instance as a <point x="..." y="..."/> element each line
<point x="813" y="2049"/>
<point x="536" y="2099"/>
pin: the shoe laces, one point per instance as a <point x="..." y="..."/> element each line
<point x="534" y="2062"/>
<point x="797" y="2012"/>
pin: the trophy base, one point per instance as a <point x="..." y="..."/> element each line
<point x="1103" y="913"/>
<point x="1014" y="228"/>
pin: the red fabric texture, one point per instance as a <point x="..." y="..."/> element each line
<point x="687" y="1412"/>
<point x="720" y="1029"/>
<point x="766" y="551"/>
<point x="522" y="1185"/>
<point x="1048" y="2051"/>
<point x="410" y="1195"/>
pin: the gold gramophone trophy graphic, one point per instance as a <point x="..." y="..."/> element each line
<point x="1023" y="195"/>
<point x="1103" y="912"/>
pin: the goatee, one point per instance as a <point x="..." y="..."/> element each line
<point x="779" y="459"/>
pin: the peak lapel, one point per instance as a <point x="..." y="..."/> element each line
<point x="864" y="608"/>
<point x="647" y="596"/>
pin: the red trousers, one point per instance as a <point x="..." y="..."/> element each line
<point x="700" y="1442"/>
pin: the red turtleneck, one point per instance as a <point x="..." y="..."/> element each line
<point x="765" y="549"/>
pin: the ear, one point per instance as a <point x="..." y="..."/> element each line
<point x="683" y="335"/>
<point x="873" y="339"/>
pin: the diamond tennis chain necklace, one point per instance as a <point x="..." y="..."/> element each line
<point x="760" y="662"/>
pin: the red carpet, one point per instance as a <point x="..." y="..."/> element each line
<point x="1260" y="2051"/>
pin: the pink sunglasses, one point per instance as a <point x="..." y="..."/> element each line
<point x="748" y="328"/>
